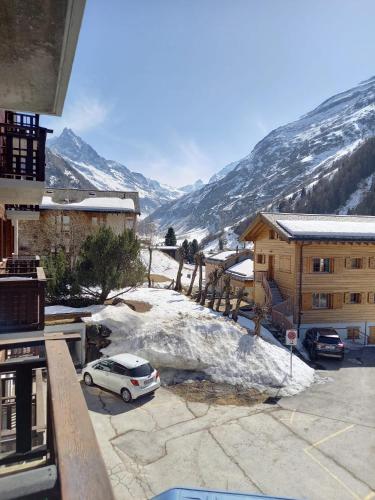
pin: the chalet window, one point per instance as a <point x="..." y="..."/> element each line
<point x="371" y="297"/>
<point x="285" y="263"/>
<point x="261" y="258"/>
<point x="321" y="300"/>
<point x="353" y="332"/>
<point x="322" y="265"/>
<point x="354" y="298"/>
<point x="66" y="220"/>
<point x="356" y="263"/>
<point x="94" y="221"/>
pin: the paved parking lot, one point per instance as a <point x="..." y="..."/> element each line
<point x="318" y="445"/>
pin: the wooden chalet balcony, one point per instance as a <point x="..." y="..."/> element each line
<point x="48" y="430"/>
<point x="22" y="159"/>
<point x="22" y="289"/>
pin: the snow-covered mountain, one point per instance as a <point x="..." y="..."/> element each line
<point x="192" y="187"/>
<point x="291" y="157"/>
<point x="71" y="162"/>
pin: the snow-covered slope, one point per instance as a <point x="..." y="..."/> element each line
<point x="178" y="333"/>
<point x="290" y="157"/>
<point x="164" y="265"/>
<point x="84" y="162"/>
<point x="192" y="187"/>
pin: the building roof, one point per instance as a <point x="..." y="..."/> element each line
<point x="308" y="227"/>
<point x="90" y="200"/>
<point x="91" y="205"/>
<point x="221" y="256"/>
<point x="242" y="270"/>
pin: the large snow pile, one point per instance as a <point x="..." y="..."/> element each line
<point x="165" y="265"/>
<point x="178" y="333"/>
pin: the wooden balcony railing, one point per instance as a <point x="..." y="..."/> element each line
<point x="22" y="147"/>
<point x="49" y="404"/>
<point x="22" y="291"/>
<point x="282" y="314"/>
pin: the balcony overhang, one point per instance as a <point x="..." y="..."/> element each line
<point x="40" y="40"/>
<point x="21" y="192"/>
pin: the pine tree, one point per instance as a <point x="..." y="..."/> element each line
<point x="108" y="261"/>
<point x="193" y="250"/>
<point x="186" y="249"/>
<point x="170" y="238"/>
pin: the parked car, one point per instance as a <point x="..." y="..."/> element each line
<point x="125" y="374"/>
<point x="323" y="342"/>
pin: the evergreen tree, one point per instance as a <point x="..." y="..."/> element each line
<point x="193" y="250"/>
<point x="108" y="261"/>
<point x="185" y="249"/>
<point x="170" y="238"/>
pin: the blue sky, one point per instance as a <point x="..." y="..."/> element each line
<point x="177" y="89"/>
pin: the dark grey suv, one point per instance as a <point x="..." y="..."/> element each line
<point x="323" y="342"/>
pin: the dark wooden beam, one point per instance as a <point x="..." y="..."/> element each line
<point x="24" y="383"/>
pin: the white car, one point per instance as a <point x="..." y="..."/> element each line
<point x="124" y="374"/>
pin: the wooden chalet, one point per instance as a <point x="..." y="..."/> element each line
<point x="316" y="270"/>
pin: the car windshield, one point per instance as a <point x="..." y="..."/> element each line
<point x="326" y="339"/>
<point x="141" y="371"/>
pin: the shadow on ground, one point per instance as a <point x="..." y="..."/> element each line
<point x="108" y="403"/>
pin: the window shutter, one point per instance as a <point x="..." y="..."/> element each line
<point x="371" y="297"/>
<point x="337" y="301"/>
<point x="371" y="262"/>
<point x="331" y="265"/>
<point x="363" y="297"/>
<point x="347" y="298"/>
<point x="364" y="262"/>
<point x="338" y="264"/>
<point x="307" y="264"/>
<point x="306" y="301"/>
<point x="348" y="262"/>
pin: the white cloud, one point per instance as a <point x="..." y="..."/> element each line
<point x="186" y="163"/>
<point x="81" y="114"/>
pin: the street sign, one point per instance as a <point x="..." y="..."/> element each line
<point x="291" y="337"/>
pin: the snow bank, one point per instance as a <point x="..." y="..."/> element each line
<point x="177" y="333"/>
<point x="166" y="266"/>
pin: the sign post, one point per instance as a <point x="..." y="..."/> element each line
<point x="291" y="337"/>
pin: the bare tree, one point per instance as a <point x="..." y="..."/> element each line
<point x="217" y="276"/>
<point x="196" y="262"/>
<point x="178" y="285"/>
<point x="238" y="303"/>
<point x="226" y="283"/>
<point x="227" y="289"/>
<point x="260" y="312"/>
<point x="149" y="266"/>
<point x="200" y="282"/>
<point x="209" y="280"/>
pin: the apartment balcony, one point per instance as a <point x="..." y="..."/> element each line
<point x="22" y="289"/>
<point x="22" y="159"/>
<point x="48" y="446"/>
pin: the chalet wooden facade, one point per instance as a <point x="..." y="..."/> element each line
<point x="68" y="215"/>
<point x="316" y="270"/>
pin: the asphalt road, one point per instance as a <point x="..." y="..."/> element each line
<point x="317" y="445"/>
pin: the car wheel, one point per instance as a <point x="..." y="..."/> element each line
<point x="126" y="396"/>
<point x="87" y="378"/>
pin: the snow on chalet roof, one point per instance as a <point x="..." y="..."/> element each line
<point x="222" y="256"/>
<point x="243" y="270"/>
<point x="96" y="204"/>
<point x="339" y="229"/>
